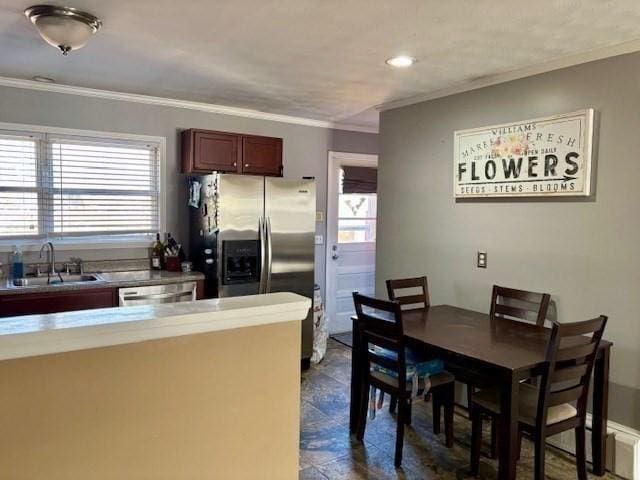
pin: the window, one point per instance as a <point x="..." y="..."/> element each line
<point x="68" y="186"/>
<point x="356" y="216"/>
<point x="18" y="186"/>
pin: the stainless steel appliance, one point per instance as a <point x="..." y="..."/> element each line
<point x="157" y="294"/>
<point x="253" y="235"/>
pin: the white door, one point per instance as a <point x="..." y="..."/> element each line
<point x="351" y="234"/>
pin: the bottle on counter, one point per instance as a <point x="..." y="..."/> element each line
<point x="17" y="265"/>
<point x="157" y="254"/>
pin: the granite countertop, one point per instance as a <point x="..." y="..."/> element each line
<point x="32" y="335"/>
<point x="133" y="278"/>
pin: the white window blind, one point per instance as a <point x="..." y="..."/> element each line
<point x="62" y="186"/>
<point x="19" y="166"/>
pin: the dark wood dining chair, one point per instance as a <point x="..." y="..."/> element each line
<point x="419" y="298"/>
<point x="549" y="409"/>
<point x="413" y="294"/>
<point x="387" y="334"/>
<point x="517" y="305"/>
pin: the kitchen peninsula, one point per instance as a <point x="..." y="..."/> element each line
<point x="165" y="391"/>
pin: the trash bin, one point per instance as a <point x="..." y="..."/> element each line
<point x="320" y="333"/>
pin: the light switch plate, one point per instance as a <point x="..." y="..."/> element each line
<point x="320" y="216"/>
<point x="319" y="240"/>
<point x="482" y="259"/>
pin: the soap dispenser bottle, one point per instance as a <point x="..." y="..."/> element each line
<point x="17" y="266"/>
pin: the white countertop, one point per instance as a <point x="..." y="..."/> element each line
<point x="32" y="335"/>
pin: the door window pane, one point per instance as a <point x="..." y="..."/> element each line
<point x="356" y="215"/>
<point x="356" y="230"/>
<point x="354" y="205"/>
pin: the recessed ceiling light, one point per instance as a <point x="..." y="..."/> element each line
<point x="401" y="61"/>
<point x="40" y="78"/>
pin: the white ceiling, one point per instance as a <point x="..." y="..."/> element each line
<point x="320" y="59"/>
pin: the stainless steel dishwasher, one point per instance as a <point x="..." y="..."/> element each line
<point x="157" y="294"/>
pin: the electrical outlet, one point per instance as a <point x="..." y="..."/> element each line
<point x="319" y="240"/>
<point x="482" y="259"/>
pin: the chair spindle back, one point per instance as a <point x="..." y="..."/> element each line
<point x="381" y="328"/>
<point x="409" y="301"/>
<point x="571" y="354"/>
<point x="519" y="304"/>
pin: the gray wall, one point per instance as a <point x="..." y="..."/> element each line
<point x="305" y="148"/>
<point x="585" y="253"/>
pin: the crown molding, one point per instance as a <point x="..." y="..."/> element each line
<point x="486" y="81"/>
<point x="176" y="103"/>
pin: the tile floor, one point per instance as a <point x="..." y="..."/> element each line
<point x="328" y="452"/>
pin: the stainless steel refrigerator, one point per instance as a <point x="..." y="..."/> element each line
<point x="253" y="235"/>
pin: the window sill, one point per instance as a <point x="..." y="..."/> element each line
<point x="76" y="244"/>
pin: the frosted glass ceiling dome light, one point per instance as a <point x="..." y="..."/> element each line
<point x="65" y="28"/>
<point x="401" y="61"/>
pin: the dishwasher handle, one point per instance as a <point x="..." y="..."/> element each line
<point x="151" y="296"/>
<point x="155" y="294"/>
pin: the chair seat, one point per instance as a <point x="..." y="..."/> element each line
<point x="411" y="356"/>
<point x="436" y="379"/>
<point x="489" y="399"/>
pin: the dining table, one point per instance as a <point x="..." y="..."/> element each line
<point x="490" y="351"/>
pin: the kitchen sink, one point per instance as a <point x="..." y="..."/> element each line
<point x="131" y="276"/>
<point x="54" y="280"/>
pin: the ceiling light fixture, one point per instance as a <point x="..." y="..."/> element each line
<point x="401" y="61"/>
<point x="40" y="78"/>
<point x="65" y="28"/>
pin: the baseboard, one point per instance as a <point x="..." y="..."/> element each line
<point x="623" y="448"/>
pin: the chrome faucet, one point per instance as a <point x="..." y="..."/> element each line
<point x="51" y="258"/>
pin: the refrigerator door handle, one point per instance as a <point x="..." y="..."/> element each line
<point x="269" y="255"/>
<point x="263" y="255"/>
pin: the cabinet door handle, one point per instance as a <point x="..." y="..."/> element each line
<point x="235" y="164"/>
<point x="246" y="165"/>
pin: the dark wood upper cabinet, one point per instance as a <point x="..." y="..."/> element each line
<point x="262" y="155"/>
<point x="205" y="151"/>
